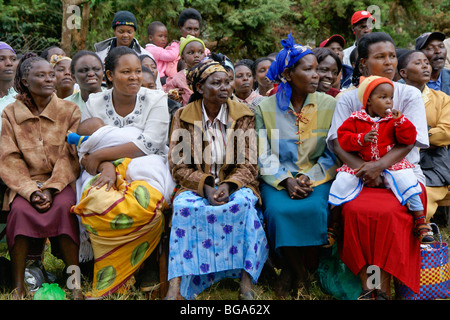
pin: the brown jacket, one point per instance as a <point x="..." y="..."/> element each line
<point x="186" y="159"/>
<point x="33" y="148"/>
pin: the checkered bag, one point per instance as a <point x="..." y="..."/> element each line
<point x="434" y="273"/>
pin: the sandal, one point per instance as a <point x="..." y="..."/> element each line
<point x="424" y="233"/>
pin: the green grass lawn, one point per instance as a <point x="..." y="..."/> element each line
<point x="226" y="289"/>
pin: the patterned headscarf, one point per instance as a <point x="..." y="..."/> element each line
<point x="286" y="58"/>
<point x="200" y="73"/>
<point x="55" y="59"/>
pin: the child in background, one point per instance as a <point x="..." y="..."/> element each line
<point x="166" y="57"/>
<point x="372" y="132"/>
<point x="148" y="78"/>
<point x="192" y="52"/>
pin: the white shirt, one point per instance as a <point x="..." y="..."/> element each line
<point x="150" y="114"/>
<point x="407" y="99"/>
<point x="347" y="53"/>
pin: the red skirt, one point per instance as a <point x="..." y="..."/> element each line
<point x="24" y="219"/>
<point x="378" y="230"/>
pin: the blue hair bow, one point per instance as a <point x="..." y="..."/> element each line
<point x="286" y="58"/>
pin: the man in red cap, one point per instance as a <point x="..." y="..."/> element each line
<point x="336" y="43"/>
<point x="361" y="25"/>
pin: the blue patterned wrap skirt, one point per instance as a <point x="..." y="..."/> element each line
<point x="209" y="243"/>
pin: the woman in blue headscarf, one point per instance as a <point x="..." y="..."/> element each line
<point x="296" y="166"/>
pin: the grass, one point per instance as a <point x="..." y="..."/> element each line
<point x="226" y="289"/>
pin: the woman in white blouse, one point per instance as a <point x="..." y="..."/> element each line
<point x="125" y="105"/>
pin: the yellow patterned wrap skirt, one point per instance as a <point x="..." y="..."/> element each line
<point x="125" y="226"/>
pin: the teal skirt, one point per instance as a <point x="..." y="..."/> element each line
<point x="296" y="223"/>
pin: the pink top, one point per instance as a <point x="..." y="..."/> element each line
<point x="166" y="58"/>
<point x="178" y="81"/>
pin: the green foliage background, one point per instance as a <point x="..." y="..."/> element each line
<point x="238" y="28"/>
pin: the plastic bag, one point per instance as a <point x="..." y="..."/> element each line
<point x="336" y="279"/>
<point x="50" y="291"/>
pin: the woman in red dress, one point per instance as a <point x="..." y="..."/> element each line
<point x="378" y="231"/>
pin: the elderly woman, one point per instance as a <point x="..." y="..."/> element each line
<point x="373" y="234"/>
<point x="415" y="70"/>
<point x="124" y="222"/>
<point x="295" y="164"/>
<point x="38" y="165"/>
<point x="219" y="196"/>
<point x="87" y="71"/>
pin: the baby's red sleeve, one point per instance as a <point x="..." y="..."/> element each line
<point x="348" y="136"/>
<point x="405" y="131"/>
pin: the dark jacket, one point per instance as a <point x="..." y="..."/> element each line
<point x="445" y="81"/>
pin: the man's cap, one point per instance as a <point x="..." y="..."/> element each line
<point x="334" y="38"/>
<point x="422" y="40"/>
<point x="360" y="15"/>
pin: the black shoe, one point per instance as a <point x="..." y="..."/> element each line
<point x="382" y="295"/>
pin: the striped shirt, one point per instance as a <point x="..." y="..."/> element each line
<point x="216" y="134"/>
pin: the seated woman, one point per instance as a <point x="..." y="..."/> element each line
<point x="328" y="70"/>
<point x="244" y="84"/>
<point x="38" y="167"/>
<point x="415" y="70"/>
<point x="371" y="230"/>
<point x="296" y="166"/>
<point x="87" y="71"/>
<point x="219" y="196"/>
<point x="125" y="222"/>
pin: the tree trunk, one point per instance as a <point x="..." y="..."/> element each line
<point x="66" y="33"/>
<point x="75" y="24"/>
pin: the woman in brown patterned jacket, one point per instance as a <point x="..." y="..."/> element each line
<point x="38" y="166"/>
<point x="217" y="223"/>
